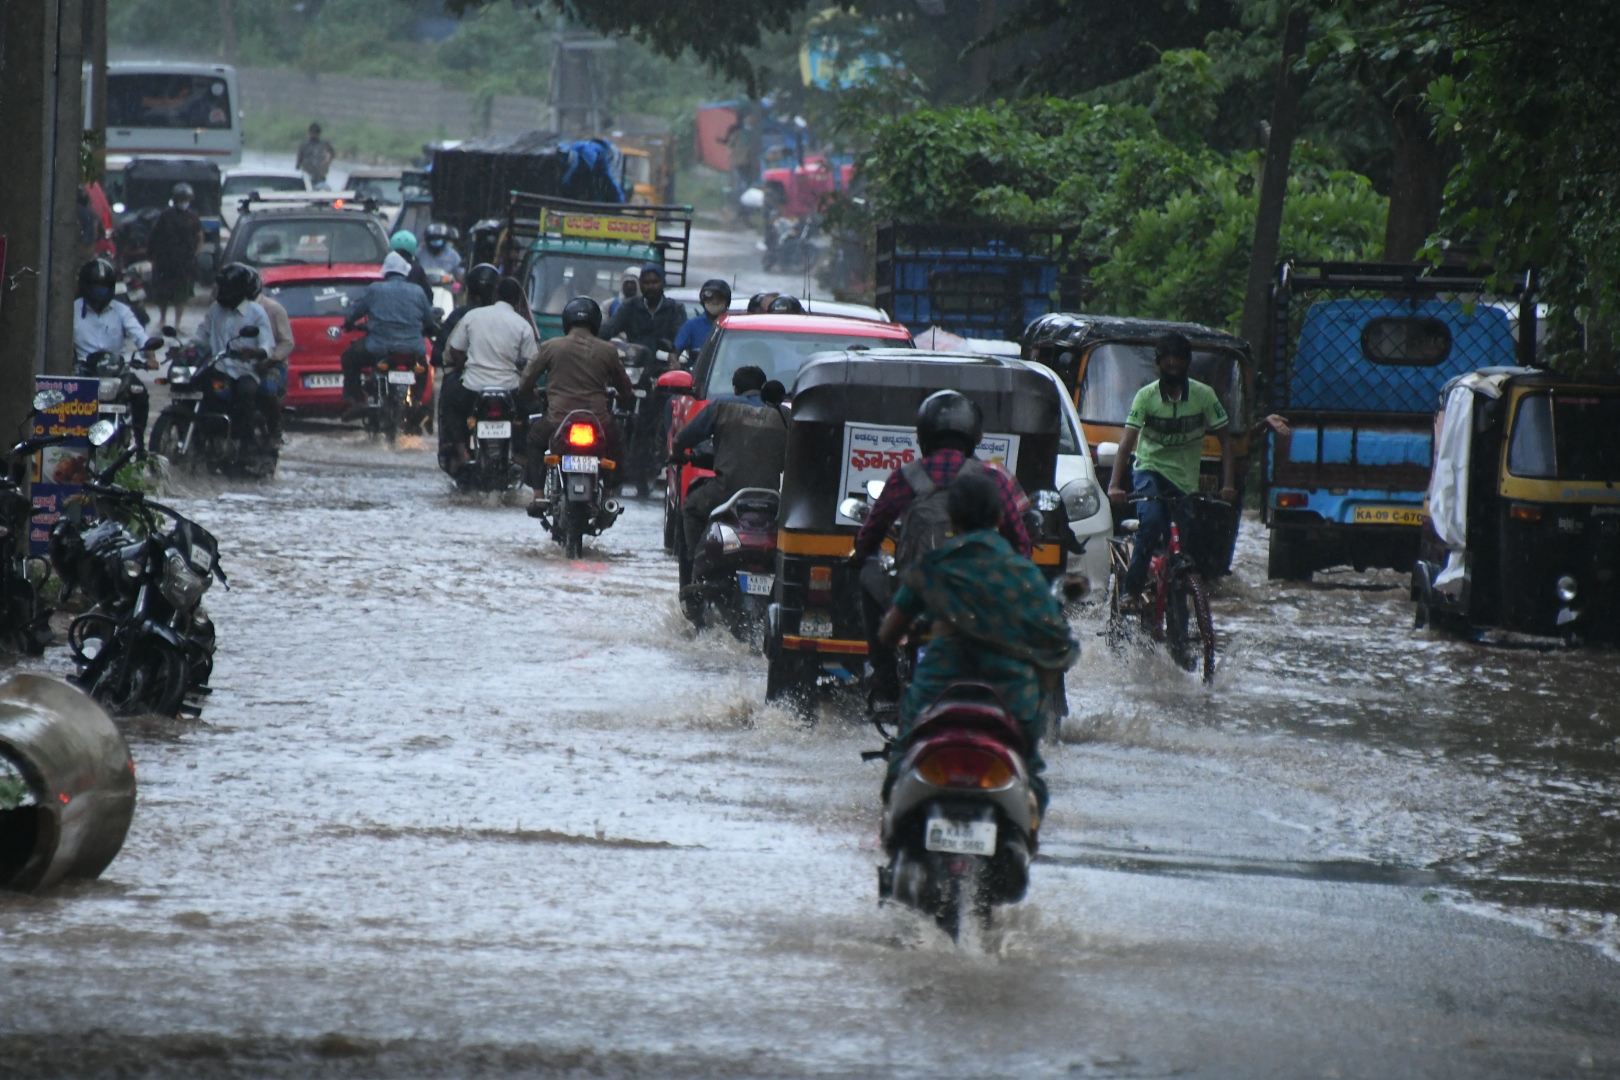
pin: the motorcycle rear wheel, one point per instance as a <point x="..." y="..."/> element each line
<point x="153" y="680"/>
<point x="576" y="516"/>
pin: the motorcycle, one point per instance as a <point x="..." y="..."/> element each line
<point x="25" y="623"/>
<point x="196" y="428"/>
<point x="646" y="430"/>
<point x="574" y="501"/>
<point x="493" y="430"/>
<point x="394" y="387"/>
<point x="960" y="825"/>
<point x="119" y="388"/>
<point x="734" y="569"/>
<point x="145" y="644"/>
<point x="790" y="245"/>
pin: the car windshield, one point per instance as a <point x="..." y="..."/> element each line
<point x="383" y="189"/>
<point x="1567" y="436"/>
<point x="168" y="101"/>
<point x="246" y="185"/>
<point x="557" y="277"/>
<point x="316" y="299"/>
<point x="273" y="242"/>
<point x="781" y="354"/>
<point x="1117" y="370"/>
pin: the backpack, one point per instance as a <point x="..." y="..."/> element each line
<point x="926" y="524"/>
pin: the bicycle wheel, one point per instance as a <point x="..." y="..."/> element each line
<point x="1189" y="630"/>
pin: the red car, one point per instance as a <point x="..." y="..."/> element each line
<point x="779" y="344"/>
<point x="316" y="299"/>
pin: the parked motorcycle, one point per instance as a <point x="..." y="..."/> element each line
<point x="574" y="502"/>
<point x="960" y="824"/>
<point x="734" y="568"/>
<point x="196" y="429"/>
<point x="120" y="386"/>
<point x="25" y="623"/>
<point x="145" y="644"/>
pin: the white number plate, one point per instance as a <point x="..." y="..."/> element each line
<point x="115" y="410"/>
<point x="494" y="429"/>
<point x="961" y="837"/>
<point x="322" y="382"/>
<point x="756" y="584"/>
<point x="403" y="378"/>
<point x="574" y="463"/>
<point x="816" y="626"/>
<point x="191" y="395"/>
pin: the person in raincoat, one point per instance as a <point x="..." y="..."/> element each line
<point x="993" y="619"/>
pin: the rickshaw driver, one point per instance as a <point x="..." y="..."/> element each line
<point x="949" y="427"/>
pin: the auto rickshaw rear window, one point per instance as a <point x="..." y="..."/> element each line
<point x="1566" y="437"/>
<point x="1117" y="370"/>
<point x="1406" y="341"/>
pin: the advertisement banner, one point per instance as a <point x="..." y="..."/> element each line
<point x="60" y="471"/>
<point x="873" y="451"/>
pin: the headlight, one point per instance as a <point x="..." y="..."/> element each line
<point x="180" y="587"/>
<point x="729" y="541"/>
<point x="1081" y="499"/>
<point x="108" y="389"/>
<point x="1568" y="588"/>
<point x="179" y="374"/>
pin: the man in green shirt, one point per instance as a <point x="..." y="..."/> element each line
<point x="1164" y="433"/>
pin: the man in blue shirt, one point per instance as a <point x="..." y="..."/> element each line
<point x="715" y="297"/>
<point x="397" y="316"/>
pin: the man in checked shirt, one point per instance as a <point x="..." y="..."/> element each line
<point x="949" y="427"/>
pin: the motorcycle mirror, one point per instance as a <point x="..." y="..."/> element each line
<point x="1107" y="452"/>
<point x="102" y="432"/>
<point x="152" y="343"/>
<point x="676" y="382"/>
<point x="855" y="509"/>
<point x="48" y="399"/>
<point x="874" y="489"/>
<point x="169" y="331"/>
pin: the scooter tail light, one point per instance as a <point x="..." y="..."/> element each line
<point x="581" y="435"/>
<point x="964" y="767"/>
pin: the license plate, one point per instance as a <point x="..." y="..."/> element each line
<point x="816" y="626"/>
<point x="576" y="463"/>
<point x="961" y="837"/>
<point x="1388" y="515"/>
<point x="190" y="395"/>
<point x="756" y="584"/>
<point x="402" y="378"/>
<point x="322" y="382"/>
<point x="115" y="410"/>
<point x="494" y="429"/>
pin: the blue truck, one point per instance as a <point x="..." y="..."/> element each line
<point x="1359" y="355"/>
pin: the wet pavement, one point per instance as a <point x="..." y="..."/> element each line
<point x="461" y="806"/>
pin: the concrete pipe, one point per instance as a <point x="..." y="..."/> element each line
<point x="67" y="784"/>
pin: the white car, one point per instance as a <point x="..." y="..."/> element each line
<point x="238" y="184"/>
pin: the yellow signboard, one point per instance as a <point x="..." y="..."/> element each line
<point x="597" y="227"/>
<point x="1388" y="515"/>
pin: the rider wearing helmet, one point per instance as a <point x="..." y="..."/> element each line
<point x="949" y="427"/>
<point x="403" y="244"/>
<point x="786" y="305"/>
<point x="482" y="281"/>
<point x="715" y="296"/>
<point x="273" y="371"/>
<point x="233" y="311"/>
<point x="577" y="368"/>
<point x="102" y="324"/>
<point x="489" y="347"/>
<point x="397" y="317"/>
<point x="175" y="241"/>
<point x="439" y="254"/>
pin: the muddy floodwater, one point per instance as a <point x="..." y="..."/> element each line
<point x="461" y="807"/>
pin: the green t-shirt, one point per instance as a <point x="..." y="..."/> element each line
<point x="1171" y="439"/>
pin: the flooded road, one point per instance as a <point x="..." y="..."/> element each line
<point x="460" y="806"/>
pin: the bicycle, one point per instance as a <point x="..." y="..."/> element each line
<point x="1177" y="610"/>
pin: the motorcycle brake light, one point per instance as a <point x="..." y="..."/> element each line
<point x="964" y="767"/>
<point x="581" y="435"/>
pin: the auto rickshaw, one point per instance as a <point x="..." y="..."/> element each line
<point x="854" y="422"/>
<point x="1524" y="507"/>
<point x="1105" y="360"/>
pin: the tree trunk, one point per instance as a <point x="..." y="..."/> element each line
<point x="1418" y="184"/>
<point x="1274" y="183"/>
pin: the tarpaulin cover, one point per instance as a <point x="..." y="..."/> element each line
<point x="1448" y="485"/>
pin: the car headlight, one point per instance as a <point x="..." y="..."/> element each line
<point x="1568" y="588"/>
<point x="729" y="540"/>
<point x="1081" y="499"/>
<point x="180" y="587"/>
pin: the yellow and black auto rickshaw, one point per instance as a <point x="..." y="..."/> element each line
<point x="1105" y="360"/>
<point x="854" y="422"/>
<point x="1524" y="507"/>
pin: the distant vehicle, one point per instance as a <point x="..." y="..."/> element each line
<point x="739" y="306"/>
<point x="385" y="187"/>
<point x="164" y="108"/>
<point x="240" y="183"/>
<point x="325" y="229"/>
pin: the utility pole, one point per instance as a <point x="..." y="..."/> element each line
<point x="1274" y="181"/>
<point x="41" y="56"/>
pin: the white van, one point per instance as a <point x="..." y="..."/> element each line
<point x="167" y="109"/>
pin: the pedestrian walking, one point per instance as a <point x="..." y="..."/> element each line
<point x="315" y="157"/>
<point x="177" y="238"/>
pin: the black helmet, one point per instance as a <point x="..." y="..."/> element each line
<point x="786" y="305"/>
<point x="437" y="235"/>
<point x="257" y="286"/>
<point x="582" y="311"/>
<point x="714" y="288"/>
<point x="949" y="418"/>
<point x="481" y="282"/>
<point x="233" y="285"/>
<point x="96" y="272"/>
<point x="182" y="193"/>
